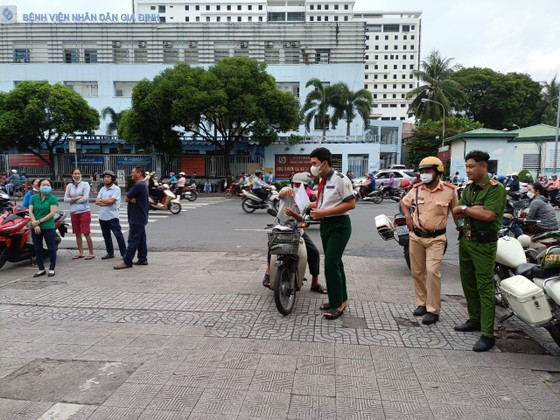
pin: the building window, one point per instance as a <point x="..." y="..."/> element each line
<point x="239" y="18"/>
<point x="336" y="18"/>
<point x="186" y="7"/>
<point x="238" y="7"/>
<point x="260" y="7"/>
<point x="405" y="37"/>
<point x="161" y="9"/>
<point x="207" y="7"/>
<point x="228" y="18"/>
<point x="385" y="67"/>
<point x="375" y="67"/>
<point x="140" y="56"/>
<point x="311" y="7"/>
<point x="186" y="18"/>
<point x="336" y="7"/>
<point x="229" y="6"/>
<point x="377" y="37"/>
<point x="384" y="86"/>
<point x="406" y="28"/>
<point x="162" y="19"/>
<point x="345" y="18"/>
<point x="218" y="7"/>
<point x="260" y="18"/>
<point x="249" y="7"/>
<point x="404" y="47"/>
<point x="326" y="7"/>
<point x="87" y="89"/>
<point x="90" y="56"/>
<point x="318" y="7"/>
<point x="326" y="18"/>
<point x="123" y="89"/>
<point x="218" y="18"/>
<point x="345" y="7"/>
<point x="250" y="18"/>
<point x="197" y="19"/>
<point x="322" y="56"/>
<point x="318" y="18"/>
<point x="207" y="18"/>
<point x="22" y="55"/>
<point x="289" y="87"/>
<point x="396" y="37"/>
<point x="152" y="7"/>
<point x="197" y="7"/>
<point x="71" y="56"/>
<point x="386" y="37"/>
<point x="391" y="28"/>
<point x="367" y="66"/>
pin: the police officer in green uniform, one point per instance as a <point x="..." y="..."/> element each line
<point x="481" y="207"/>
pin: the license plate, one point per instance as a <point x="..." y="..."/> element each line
<point x="402" y="230"/>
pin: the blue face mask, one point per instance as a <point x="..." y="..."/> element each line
<point x="45" y="190"/>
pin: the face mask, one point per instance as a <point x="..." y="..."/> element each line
<point x="315" y="170"/>
<point x="530" y="195"/>
<point x="45" y="190"/>
<point x="77" y="179"/>
<point x="35" y="190"/>
<point x="426" y="178"/>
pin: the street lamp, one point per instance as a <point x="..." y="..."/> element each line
<point x="557" y="129"/>
<point x="424" y="100"/>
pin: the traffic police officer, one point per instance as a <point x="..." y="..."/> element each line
<point x="335" y="197"/>
<point x="481" y="206"/>
<point x="434" y="200"/>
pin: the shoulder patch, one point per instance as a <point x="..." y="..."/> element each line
<point x="449" y="184"/>
<point x="340" y="175"/>
<point x="493" y="182"/>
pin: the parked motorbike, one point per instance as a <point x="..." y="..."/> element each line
<point x="15" y="234"/>
<point x="189" y="192"/>
<point x="5" y="202"/>
<point x="533" y="291"/>
<point x="169" y="201"/>
<point x="397" y="230"/>
<point x="251" y="202"/>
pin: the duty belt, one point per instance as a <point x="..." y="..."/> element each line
<point x="480" y="236"/>
<point x="428" y="233"/>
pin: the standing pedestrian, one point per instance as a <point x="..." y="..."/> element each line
<point x="481" y="206"/>
<point x="109" y="199"/>
<point x="334" y="200"/>
<point x="42" y="209"/>
<point x="94" y="177"/>
<point x="77" y="194"/>
<point x="34" y="190"/>
<point x="434" y="200"/>
<point x="137" y="209"/>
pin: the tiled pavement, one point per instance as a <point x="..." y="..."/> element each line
<point x="195" y="335"/>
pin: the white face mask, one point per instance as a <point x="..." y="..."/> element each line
<point x="426" y="178"/>
<point x="530" y="194"/>
<point x="296" y="189"/>
<point x="315" y="170"/>
<point x="77" y="179"/>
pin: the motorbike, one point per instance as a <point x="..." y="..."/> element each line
<point x="5" y="202"/>
<point x="288" y="261"/>
<point x="530" y="291"/>
<point x="188" y="192"/>
<point x="384" y="193"/>
<point x="397" y="230"/>
<point x="168" y="202"/>
<point x="235" y="189"/>
<point x="251" y="202"/>
<point x="15" y="234"/>
<point x="374" y="196"/>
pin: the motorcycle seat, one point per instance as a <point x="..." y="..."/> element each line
<point x="526" y="270"/>
<point x="551" y="235"/>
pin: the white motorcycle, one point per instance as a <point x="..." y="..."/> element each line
<point x="169" y="201"/>
<point x="251" y="202"/>
<point x="531" y="291"/>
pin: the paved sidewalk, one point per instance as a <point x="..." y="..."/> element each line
<point x="195" y="335"/>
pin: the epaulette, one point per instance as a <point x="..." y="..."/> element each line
<point x="340" y="175"/>
<point x="493" y="182"/>
<point x="449" y="184"/>
<point x="418" y="184"/>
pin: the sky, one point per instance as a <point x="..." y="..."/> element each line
<point x="505" y="35"/>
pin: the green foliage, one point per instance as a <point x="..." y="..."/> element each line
<point x="37" y="115"/>
<point x="347" y="105"/>
<point x="523" y="173"/>
<point x="548" y="111"/>
<point x="424" y="143"/>
<point x="114" y="117"/>
<point x="317" y="104"/>
<point x="294" y="139"/>
<point x="499" y="100"/>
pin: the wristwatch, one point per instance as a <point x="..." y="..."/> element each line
<point x="463" y="208"/>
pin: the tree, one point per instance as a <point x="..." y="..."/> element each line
<point x="37" y="115"/>
<point x="114" y="117"/>
<point x="499" y="100"/>
<point x="423" y="141"/>
<point x="347" y="104"/>
<point x="435" y="73"/>
<point x="549" y="108"/>
<point x="234" y="100"/>
<point x="317" y="103"/>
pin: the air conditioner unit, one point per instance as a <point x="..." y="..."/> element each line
<point x="167" y="44"/>
<point x="192" y="44"/>
<point x="287" y="44"/>
<point x="141" y="44"/>
<point x="294" y="44"/>
<point x="243" y="44"/>
<point x="268" y="44"/>
<point x="116" y="44"/>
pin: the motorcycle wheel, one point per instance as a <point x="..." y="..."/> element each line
<point x="554" y="332"/>
<point x="285" y="290"/>
<point x="192" y="196"/>
<point x="246" y="207"/>
<point x="406" y="252"/>
<point x="377" y="198"/>
<point x="229" y="194"/>
<point x="174" y="208"/>
<point x="3" y="255"/>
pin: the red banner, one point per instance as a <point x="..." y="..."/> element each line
<point x="286" y="165"/>
<point x="27" y="160"/>
<point x="193" y="164"/>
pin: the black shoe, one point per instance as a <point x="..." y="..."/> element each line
<point x="106" y="257"/>
<point x="430" y="319"/>
<point x="420" y="311"/>
<point x="468" y="326"/>
<point x="484" y="343"/>
<point x="140" y="262"/>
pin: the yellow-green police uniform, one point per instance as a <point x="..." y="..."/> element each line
<point x="477" y="251"/>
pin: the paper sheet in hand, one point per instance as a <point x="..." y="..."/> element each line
<point x="302" y="200"/>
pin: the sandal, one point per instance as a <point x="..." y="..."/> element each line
<point x="90" y="257"/>
<point x="40" y="273"/>
<point x="319" y="289"/>
<point x="325" y="306"/>
<point x="333" y="313"/>
<point x="77" y="257"/>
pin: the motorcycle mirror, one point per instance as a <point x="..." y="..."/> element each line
<point x="272" y="212"/>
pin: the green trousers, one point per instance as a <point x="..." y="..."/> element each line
<point x="335" y="233"/>
<point x="476" y="265"/>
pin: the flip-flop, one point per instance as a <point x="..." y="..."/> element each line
<point x="77" y="257"/>
<point x="90" y="257"/>
<point x="319" y="289"/>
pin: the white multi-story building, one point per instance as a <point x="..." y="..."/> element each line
<point x="392" y="39"/>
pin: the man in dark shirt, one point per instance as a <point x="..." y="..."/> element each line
<point x="137" y="210"/>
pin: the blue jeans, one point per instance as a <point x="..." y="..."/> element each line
<point x="50" y="239"/>
<point x="136" y="242"/>
<point x="108" y="226"/>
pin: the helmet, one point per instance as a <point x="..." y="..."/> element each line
<point x="391" y="174"/>
<point x="431" y="162"/>
<point x="524" y="240"/>
<point x="182" y="173"/>
<point x="514" y="174"/>
<point x="301" y="177"/>
<point x="258" y="172"/>
<point x="14" y="171"/>
<point x="551" y="259"/>
<point x="110" y="173"/>
<point x="501" y="178"/>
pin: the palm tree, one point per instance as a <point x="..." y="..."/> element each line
<point x="114" y="116"/>
<point x="317" y="104"/>
<point x="548" y="110"/>
<point x="347" y="104"/>
<point x="435" y="73"/>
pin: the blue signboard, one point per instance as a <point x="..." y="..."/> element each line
<point x="91" y="160"/>
<point x="134" y="161"/>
